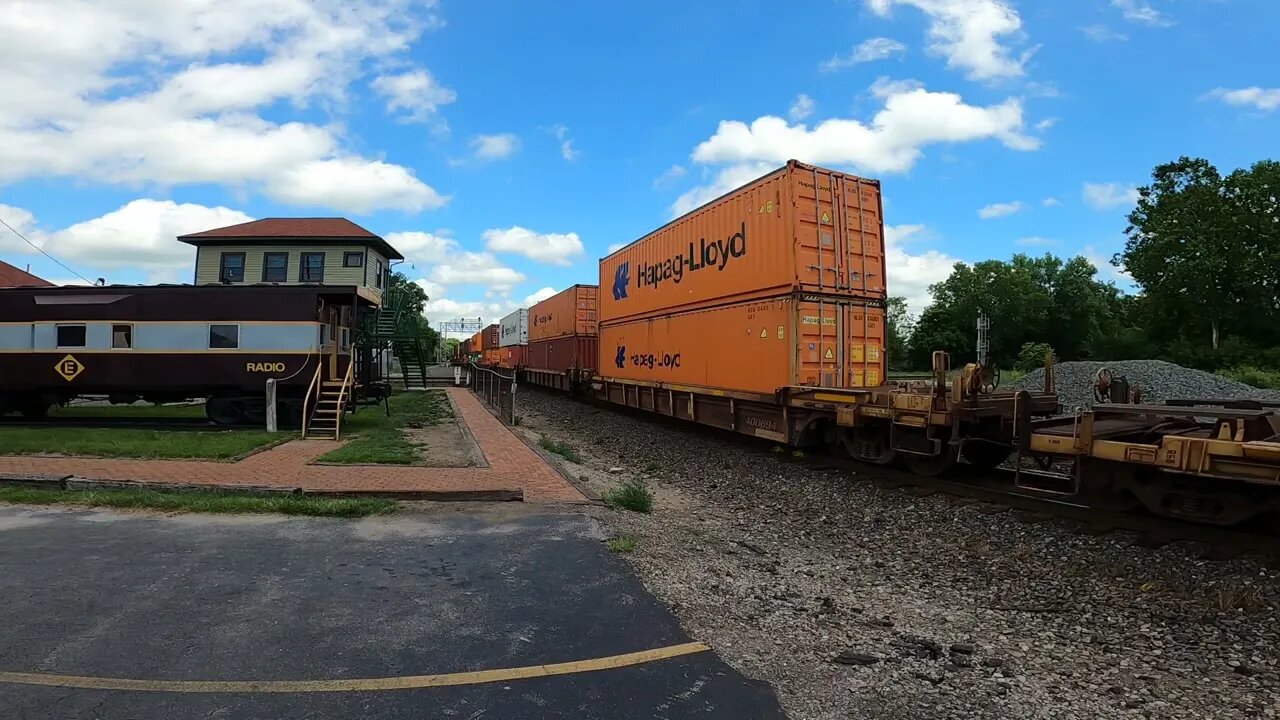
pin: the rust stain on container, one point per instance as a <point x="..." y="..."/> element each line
<point x="800" y="228"/>
<point x="569" y="312"/>
<point x="562" y="354"/>
<point x="753" y="346"/>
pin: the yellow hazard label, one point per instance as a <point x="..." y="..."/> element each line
<point x="764" y="332"/>
<point x="826" y="219"/>
<point x="828" y="354"/>
<point x="69" y="367"/>
<point x="873" y="353"/>
<point x="855" y="352"/>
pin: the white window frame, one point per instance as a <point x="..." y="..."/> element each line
<point x="60" y="346"/>
<point x="209" y="336"/>
<point x="133" y="335"/>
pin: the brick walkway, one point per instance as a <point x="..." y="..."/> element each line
<point x="512" y="465"/>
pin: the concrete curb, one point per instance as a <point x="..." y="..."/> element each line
<point x="72" y="483"/>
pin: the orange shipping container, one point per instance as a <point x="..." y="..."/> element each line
<point x="569" y="312"/>
<point x="477" y="343"/>
<point x="799" y="228"/>
<point x="756" y="346"/>
<point x="491" y="357"/>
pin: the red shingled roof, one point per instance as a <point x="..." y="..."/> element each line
<point x="11" y="276"/>
<point x="288" y="228"/>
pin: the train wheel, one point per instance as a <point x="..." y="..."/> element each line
<point x="983" y="454"/>
<point x="869" y="446"/>
<point x="222" y="411"/>
<point x="934" y="466"/>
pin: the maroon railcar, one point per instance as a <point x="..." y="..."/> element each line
<point x="166" y="343"/>
<point x="561" y="362"/>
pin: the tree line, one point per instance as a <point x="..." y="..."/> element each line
<point x="1203" y="250"/>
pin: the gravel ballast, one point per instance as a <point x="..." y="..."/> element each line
<point x="1159" y="380"/>
<point x="856" y="601"/>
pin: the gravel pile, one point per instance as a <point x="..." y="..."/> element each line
<point x="853" y="601"/>
<point x="1159" y="380"/>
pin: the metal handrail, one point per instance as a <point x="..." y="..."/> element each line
<point x="306" y="401"/>
<point x="346" y="383"/>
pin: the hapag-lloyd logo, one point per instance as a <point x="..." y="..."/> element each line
<point x="703" y="254"/>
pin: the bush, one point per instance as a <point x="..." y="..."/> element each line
<point x="622" y="544"/>
<point x="561" y="448"/>
<point x="1256" y="377"/>
<point x="631" y="495"/>
<point x="1031" y="356"/>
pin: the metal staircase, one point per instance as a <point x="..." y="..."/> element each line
<point x="394" y="327"/>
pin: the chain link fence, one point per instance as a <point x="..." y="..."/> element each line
<point x="496" y="389"/>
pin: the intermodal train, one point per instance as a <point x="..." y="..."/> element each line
<point x="168" y="343"/>
<point x="763" y="313"/>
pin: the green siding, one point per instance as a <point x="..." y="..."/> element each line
<point x="209" y="260"/>
<point x="371" y="267"/>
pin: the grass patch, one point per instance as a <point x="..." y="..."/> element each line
<point x="1256" y="377"/>
<point x="132" y="443"/>
<point x="557" y="447"/>
<point x="631" y="495"/>
<point x="1244" y="598"/>
<point x="622" y="544"/>
<point x="379" y="440"/>
<point x="189" y="410"/>
<point x="207" y="502"/>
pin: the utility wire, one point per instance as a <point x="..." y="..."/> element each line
<point x="42" y="252"/>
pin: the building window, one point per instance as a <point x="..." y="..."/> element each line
<point x="352" y="259"/>
<point x="275" y="267"/>
<point x="121" y="337"/>
<point x="377" y="277"/>
<point x="71" y="336"/>
<point x="224" y="337"/>
<point x="312" y="268"/>
<point x="231" y="269"/>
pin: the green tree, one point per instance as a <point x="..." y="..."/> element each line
<point x="898" y="327"/>
<point x="1205" y="249"/>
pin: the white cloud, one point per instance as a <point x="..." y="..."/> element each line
<point x="476" y="268"/>
<point x="671" y="174"/>
<point x="1264" y="99"/>
<point x="615" y="247"/>
<point x="432" y="289"/>
<point x="729" y="178"/>
<point x="870" y="50"/>
<point x="22" y="221"/>
<point x="495" y="147"/>
<point x="892" y="142"/>
<point x="1036" y="241"/>
<point x="353" y="184"/>
<point x="442" y="309"/>
<point x="423" y="247"/>
<point x="1106" y="271"/>
<point x="1104" y="196"/>
<point x="538" y="296"/>
<point x="567" y="151"/>
<point x="141" y="235"/>
<point x="1044" y="125"/>
<point x="1051" y="202"/>
<point x="1140" y="11"/>
<point x="999" y="210"/>
<point x="968" y="33"/>
<point x="1102" y="33"/>
<point x="802" y="108"/>
<point x="158" y="100"/>
<point x="549" y="248"/>
<point x="416" y="92"/>
<point x="910" y="275"/>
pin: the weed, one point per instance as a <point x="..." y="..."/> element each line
<point x="631" y="495"/>
<point x="1246" y="598"/>
<point x="201" y="501"/>
<point x="1256" y="377"/>
<point x="561" y="448"/>
<point x="622" y="544"/>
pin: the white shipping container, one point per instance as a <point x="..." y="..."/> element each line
<point x="514" y="329"/>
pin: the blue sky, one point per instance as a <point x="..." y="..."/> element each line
<point x="505" y="145"/>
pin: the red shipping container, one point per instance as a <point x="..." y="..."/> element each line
<point x="490" y="336"/>
<point x="511" y="356"/>
<point x="563" y="354"/>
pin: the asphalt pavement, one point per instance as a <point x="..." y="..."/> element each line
<point x="93" y="599"/>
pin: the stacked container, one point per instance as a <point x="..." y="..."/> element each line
<point x="778" y="283"/>
<point x="513" y="339"/>
<point x="562" y="332"/>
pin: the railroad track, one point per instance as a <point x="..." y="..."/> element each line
<point x="991" y="490"/>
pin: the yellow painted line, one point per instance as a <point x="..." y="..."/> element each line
<point x="407" y="682"/>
